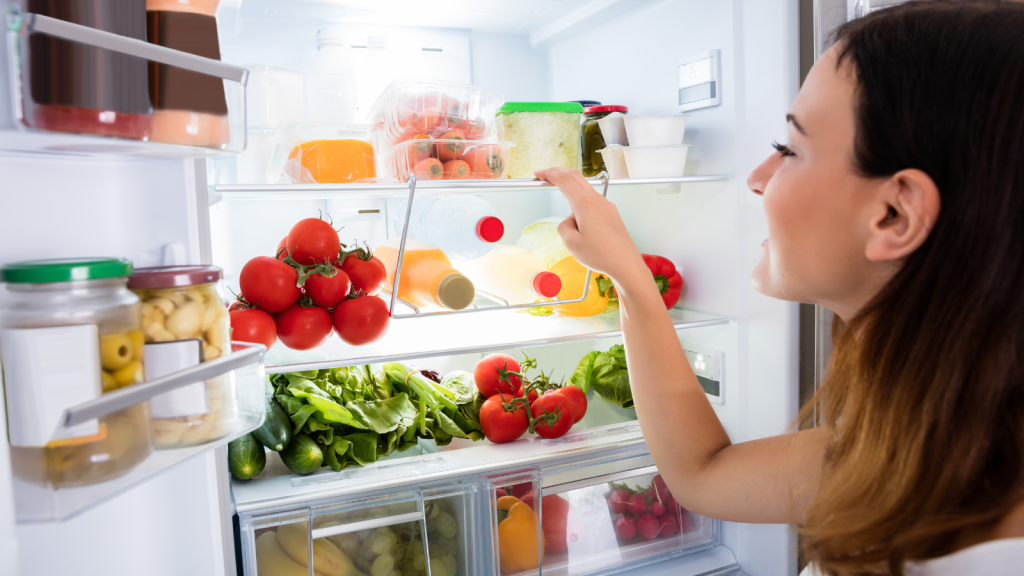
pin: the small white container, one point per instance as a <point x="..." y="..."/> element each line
<point x="614" y="161"/>
<point x="656" y="161"/>
<point x="655" y="129"/>
<point x="613" y="129"/>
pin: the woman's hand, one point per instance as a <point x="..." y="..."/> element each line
<point x="594" y="233"/>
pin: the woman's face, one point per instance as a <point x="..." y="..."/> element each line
<point x="816" y="204"/>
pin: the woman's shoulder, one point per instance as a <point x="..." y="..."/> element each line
<point x="993" y="558"/>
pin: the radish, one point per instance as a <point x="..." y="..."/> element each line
<point x="648" y="526"/>
<point x="625" y="527"/>
<point x="668" y="525"/>
<point x="657" y="508"/>
<point x="619" y="500"/>
<point x="638" y="504"/>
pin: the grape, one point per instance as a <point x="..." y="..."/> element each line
<point x="438" y="567"/>
<point x="383" y="543"/>
<point x="431" y="525"/>
<point x="446" y="525"/>
<point x="419" y="562"/>
<point x="415" y="547"/>
<point x="449" y="562"/>
<point x="382" y="565"/>
<point x="449" y="545"/>
<point x="434" y="508"/>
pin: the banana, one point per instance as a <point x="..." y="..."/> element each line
<point x="328" y="559"/>
<point x="271" y="559"/>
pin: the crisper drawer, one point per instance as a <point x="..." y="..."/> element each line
<point x="423" y="531"/>
<point x="596" y="517"/>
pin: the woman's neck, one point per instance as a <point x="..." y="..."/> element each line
<point x="1010" y="526"/>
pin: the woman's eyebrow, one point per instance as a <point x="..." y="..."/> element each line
<point x="792" y="120"/>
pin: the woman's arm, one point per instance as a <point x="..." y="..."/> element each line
<point x="768" y="480"/>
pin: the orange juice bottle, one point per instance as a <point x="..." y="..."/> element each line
<point x="428" y="278"/>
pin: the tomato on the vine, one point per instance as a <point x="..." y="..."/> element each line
<point x="269" y="284"/>
<point x="303" y="327"/>
<point x="238" y="305"/>
<point x="252" y="325"/>
<point x="555" y="404"/>
<point x="500" y="425"/>
<point x="366" y="272"/>
<point x="575" y="395"/>
<point x="361" y="319"/>
<point x="328" y="291"/>
<point x="313" y="241"/>
<point x="282" y="249"/>
<point x="490" y="376"/>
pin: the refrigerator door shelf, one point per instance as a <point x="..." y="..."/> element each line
<point x="65" y="129"/>
<point x="38" y="500"/>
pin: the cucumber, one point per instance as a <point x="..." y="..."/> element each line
<point x="302" y="455"/>
<point x="246" y="457"/>
<point x="276" y="430"/>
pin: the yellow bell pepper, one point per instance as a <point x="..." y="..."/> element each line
<point x="573" y="275"/>
<point x="517" y="537"/>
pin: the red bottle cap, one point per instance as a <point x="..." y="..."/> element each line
<point x="546" y="284"/>
<point x="490" y="229"/>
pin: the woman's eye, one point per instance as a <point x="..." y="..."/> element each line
<point x="782" y="149"/>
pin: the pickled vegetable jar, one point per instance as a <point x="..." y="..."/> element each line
<point x="591" y="139"/>
<point x="185" y="323"/>
<point x="544" y="135"/>
<point x="71" y="331"/>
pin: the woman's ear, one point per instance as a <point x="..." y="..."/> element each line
<point x="908" y="209"/>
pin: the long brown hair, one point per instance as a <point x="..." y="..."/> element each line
<point x="925" y="395"/>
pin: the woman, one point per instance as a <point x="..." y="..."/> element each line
<point x="899" y="204"/>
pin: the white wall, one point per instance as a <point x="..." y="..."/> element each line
<point x="510" y="65"/>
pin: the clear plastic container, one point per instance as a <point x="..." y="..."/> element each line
<point x="70" y="331"/>
<point x="314" y="153"/>
<point x="185" y="323"/>
<point x="464" y="227"/>
<point x="447" y="159"/>
<point x="434" y="108"/>
<point x="512" y="273"/>
<point x="428" y="278"/>
<point x="592" y="140"/>
<point x="332" y="93"/>
<point x="544" y="134"/>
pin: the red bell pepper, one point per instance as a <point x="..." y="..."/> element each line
<point x="669" y="282"/>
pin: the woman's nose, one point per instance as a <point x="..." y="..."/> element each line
<point x="759" y="178"/>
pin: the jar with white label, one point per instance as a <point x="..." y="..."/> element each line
<point x="185" y="323"/>
<point x="70" y="331"/>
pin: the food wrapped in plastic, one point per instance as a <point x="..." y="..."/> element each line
<point x="450" y="158"/>
<point x="323" y="154"/>
<point x="433" y="108"/>
<point x="545" y="135"/>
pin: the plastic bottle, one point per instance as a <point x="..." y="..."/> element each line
<point x="428" y="278"/>
<point x="331" y="90"/>
<point x="379" y="70"/>
<point x="514" y="273"/>
<point x="464" y="227"/>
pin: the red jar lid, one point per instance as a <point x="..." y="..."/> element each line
<point x="547" y="284"/>
<point x="173" y="276"/>
<point x="490" y="229"/>
<point x="606" y="108"/>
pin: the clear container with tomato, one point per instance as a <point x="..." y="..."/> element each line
<point x="319" y="153"/>
<point x="430" y="107"/>
<point x="70" y="331"/>
<point x="185" y="323"/>
<point x="450" y="157"/>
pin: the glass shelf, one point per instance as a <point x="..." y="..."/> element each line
<point x="425" y="337"/>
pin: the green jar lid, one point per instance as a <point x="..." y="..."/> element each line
<point x="65" y="270"/>
<point x="513" y="107"/>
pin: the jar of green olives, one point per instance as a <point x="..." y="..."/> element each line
<point x="591" y="139"/>
<point x="70" y="331"/>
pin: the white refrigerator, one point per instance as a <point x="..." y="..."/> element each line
<point x="66" y="195"/>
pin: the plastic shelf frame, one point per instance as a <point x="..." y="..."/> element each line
<point x="29" y="136"/>
<point x="38" y="500"/>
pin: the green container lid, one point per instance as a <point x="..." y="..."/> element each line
<point x="65" y="270"/>
<point x="513" y="107"/>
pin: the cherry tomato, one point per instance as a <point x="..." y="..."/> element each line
<point x="361" y="320"/>
<point x="269" y="284"/>
<point x="553" y="404"/>
<point x="366" y="272"/>
<point x="531" y="396"/>
<point x="237" y="305"/>
<point x="577" y="397"/>
<point x="313" y="241"/>
<point x="252" y="325"/>
<point x="500" y="425"/>
<point x="303" y="327"/>
<point x="328" y="291"/>
<point x="489" y="380"/>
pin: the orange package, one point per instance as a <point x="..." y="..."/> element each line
<point x="332" y="161"/>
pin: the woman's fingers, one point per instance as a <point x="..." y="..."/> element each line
<point x="572" y="184"/>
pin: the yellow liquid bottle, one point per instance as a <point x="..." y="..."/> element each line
<point x="428" y="278"/>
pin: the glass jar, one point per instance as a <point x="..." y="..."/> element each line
<point x="70" y="331"/>
<point x="591" y="139"/>
<point x="185" y="323"/>
<point x="544" y="135"/>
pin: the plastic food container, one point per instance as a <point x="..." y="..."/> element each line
<point x="655" y="129"/>
<point x="317" y="153"/>
<point x="185" y="323"/>
<point x="408" y="108"/>
<point x="71" y="331"/>
<point x="655" y="161"/>
<point x="613" y="129"/>
<point x="592" y="141"/>
<point x="615" y="161"/>
<point x="449" y="159"/>
<point x="545" y="135"/>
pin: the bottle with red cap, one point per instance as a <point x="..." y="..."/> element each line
<point x="512" y="273"/>
<point x="464" y="227"/>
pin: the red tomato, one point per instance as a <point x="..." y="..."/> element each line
<point x="577" y="397"/>
<point x="313" y="241"/>
<point x="282" y="249"/>
<point x="489" y="380"/>
<point x="302" y="327"/>
<point x="500" y="425"/>
<point x="521" y="490"/>
<point x="269" y="284"/>
<point x="252" y="325"/>
<point x="553" y="403"/>
<point x="531" y="396"/>
<point x="237" y="305"/>
<point x="555" y="512"/>
<point x="361" y="320"/>
<point x="328" y="291"/>
<point x="366" y="272"/>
